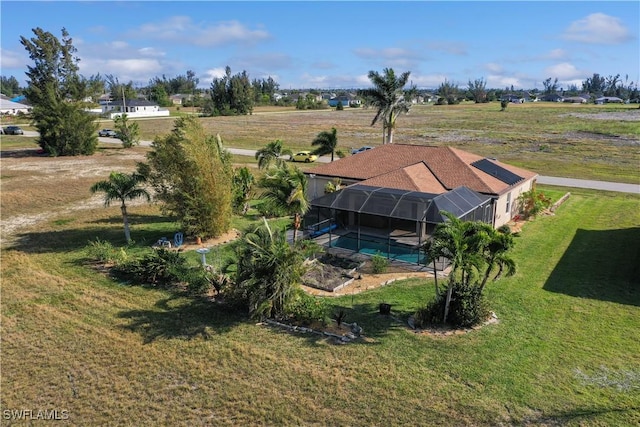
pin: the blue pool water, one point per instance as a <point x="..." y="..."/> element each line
<point x="371" y="245"/>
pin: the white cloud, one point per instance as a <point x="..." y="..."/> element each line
<point x="181" y="29"/>
<point x="598" y="28"/>
<point x="556" y="54"/>
<point x="11" y="59"/>
<point x="151" y="51"/>
<point x="563" y="71"/>
<point x="501" y="81"/>
<point x="492" y="67"/>
<point x="214" y="73"/>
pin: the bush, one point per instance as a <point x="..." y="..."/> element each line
<point x="104" y="252"/>
<point x="468" y="307"/>
<point x="159" y="268"/>
<point x="379" y="263"/>
<point x="431" y="314"/>
<point x="307" y="309"/>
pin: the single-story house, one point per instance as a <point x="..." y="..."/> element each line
<point x="133" y="108"/>
<point x="609" y="100"/>
<point x="397" y="193"/>
<point x="12" y="108"/>
<point x="552" y="97"/>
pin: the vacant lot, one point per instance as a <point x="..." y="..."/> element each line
<point x="576" y="141"/>
<point x="109" y="354"/>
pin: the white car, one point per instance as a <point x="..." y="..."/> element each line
<point x="107" y="132"/>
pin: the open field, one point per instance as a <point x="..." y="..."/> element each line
<point x="576" y="141"/>
<point x="110" y="354"/>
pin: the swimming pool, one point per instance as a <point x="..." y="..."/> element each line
<point x="372" y="245"/>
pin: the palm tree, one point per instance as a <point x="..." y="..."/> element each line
<point x="273" y="152"/>
<point x="459" y="242"/>
<point x="495" y="253"/>
<point x="122" y="187"/>
<point x="390" y="98"/>
<point x="267" y="271"/>
<point x="285" y="190"/>
<point x="327" y="142"/>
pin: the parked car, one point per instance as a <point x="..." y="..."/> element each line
<point x="304" y="156"/>
<point x="361" y="149"/>
<point x="13" y="130"/>
<point x="107" y="132"/>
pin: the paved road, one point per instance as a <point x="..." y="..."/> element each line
<point x="547" y="180"/>
<point x="586" y="183"/>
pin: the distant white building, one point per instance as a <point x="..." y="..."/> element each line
<point x="133" y="108"/>
<point x="13" y="108"/>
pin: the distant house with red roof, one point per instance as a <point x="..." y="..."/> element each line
<point x="426" y="172"/>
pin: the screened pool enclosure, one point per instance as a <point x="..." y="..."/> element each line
<point x="388" y="221"/>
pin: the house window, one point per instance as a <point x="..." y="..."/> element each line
<point x="508" y="203"/>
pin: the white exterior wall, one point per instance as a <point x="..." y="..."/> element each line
<point x="502" y="215"/>
<point x="157" y="113"/>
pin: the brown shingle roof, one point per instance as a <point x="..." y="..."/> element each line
<point x="416" y="177"/>
<point x="397" y="166"/>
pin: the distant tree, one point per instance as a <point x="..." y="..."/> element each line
<point x="9" y="86"/>
<point x="550" y="87"/>
<point x="390" y="98"/>
<point x="232" y="95"/>
<point x="448" y="93"/>
<point x="120" y="91"/>
<point x="129" y="133"/>
<point x="122" y="187"/>
<point x="159" y="95"/>
<point x="327" y="142"/>
<point x="594" y="85"/>
<point x="272" y="153"/>
<point x="478" y="90"/>
<point x="192" y="175"/>
<point x="65" y="128"/>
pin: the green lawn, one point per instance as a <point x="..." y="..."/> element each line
<point x="110" y="354"/>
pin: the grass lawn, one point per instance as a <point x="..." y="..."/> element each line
<point x="111" y="354"/>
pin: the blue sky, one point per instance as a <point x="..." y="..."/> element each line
<point x="330" y="44"/>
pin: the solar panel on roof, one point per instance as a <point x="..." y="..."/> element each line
<point x="504" y="175"/>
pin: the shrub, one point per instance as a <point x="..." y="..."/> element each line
<point x="431" y="314"/>
<point x="159" y="268"/>
<point x="468" y="307"/>
<point x="104" y="252"/>
<point x="307" y="309"/>
<point x="379" y="263"/>
<point x="532" y="203"/>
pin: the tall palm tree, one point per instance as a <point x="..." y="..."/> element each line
<point x="390" y="98"/>
<point x="326" y="142"/>
<point x="285" y="189"/>
<point x="272" y="153"/>
<point x="122" y="187"/>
